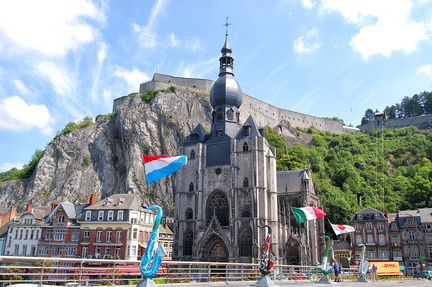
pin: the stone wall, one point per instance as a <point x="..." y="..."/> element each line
<point x="263" y="113"/>
<point x="422" y="122"/>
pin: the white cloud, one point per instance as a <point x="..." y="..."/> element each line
<point x="174" y="42"/>
<point x="385" y="26"/>
<point x="197" y="70"/>
<point x="101" y="56"/>
<point x="308" y="43"/>
<point x="8" y="166"/>
<point x="195" y="45"/>
<point x="146" y="35"/>
<point x="16" y="114"/>
<point x="61" y="80"/>
<point x="426" y="69"/>
<point x="308" y="4"/>
<point x="133" y="77"/>
<point x="50" y="27"/>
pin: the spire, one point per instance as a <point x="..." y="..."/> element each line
<point x="226" y="61"/>
<point x="226" y="91"/>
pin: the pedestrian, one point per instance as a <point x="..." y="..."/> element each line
<point x="374" y="270"/>
<point x="336" y="271"/>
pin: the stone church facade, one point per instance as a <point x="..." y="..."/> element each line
<point x="230" y="188"/>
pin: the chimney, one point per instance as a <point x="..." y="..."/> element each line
<point x="29" y="207"/>
<point x="12" y="212"/>
<point x="92" y="199"/>
<point x="53" y="205"/>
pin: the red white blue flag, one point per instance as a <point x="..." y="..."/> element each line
<point x="159" y="166"/>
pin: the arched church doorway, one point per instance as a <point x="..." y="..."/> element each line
<point x="293" y="255"/>
<point x="215" y="250"/>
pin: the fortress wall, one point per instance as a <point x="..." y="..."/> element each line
<point x="421" y="122"/>
<point x="161" y="81"/>
<point x="263" y="113"/>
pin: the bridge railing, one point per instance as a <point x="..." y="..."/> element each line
<point x="60" y="271"/>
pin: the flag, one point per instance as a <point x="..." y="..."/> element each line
<point x="159" y="166"/>
<point x="342" y="228"/>
<point x="303" y="214"/>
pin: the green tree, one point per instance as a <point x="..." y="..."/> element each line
<point x="368" y="117"/>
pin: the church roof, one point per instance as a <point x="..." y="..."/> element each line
<point x="197" y="135"/>
<point x="290" y="180"/>
<point x="252" y="129"/>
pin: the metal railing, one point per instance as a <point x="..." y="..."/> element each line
<point x="88" y="272"/>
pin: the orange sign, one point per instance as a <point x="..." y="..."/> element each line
<point x="386" y="268"/>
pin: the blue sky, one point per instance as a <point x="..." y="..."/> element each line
<point x="62" y="60"/>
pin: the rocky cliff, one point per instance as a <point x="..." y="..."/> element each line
<point x="105" y="158"/>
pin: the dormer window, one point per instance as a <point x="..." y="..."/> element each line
<point x="100" y="215"/>
<point x="110" y="215"/>
<point x="230" y="114"/>
<point x="108" y="201"/>
<point x="120" y="200"/>
<point x="219" y="133"/>
<point x="120" y="215"/>
<point x="376" y="216"/>
<point x="359" y="216"/>
<point x="88" y="215"/>
<point x="194" y="137"/>
<point x="61" y="218"/>
<point x="246" y="130"/>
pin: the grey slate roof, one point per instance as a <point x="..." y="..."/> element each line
<point x="200" y="134"/>
<point x="368" y="214"/>
<point x="290" y="180"/>
<point x="426" y="215"/>
<point x="118" y="201"/>
<point x="254" y="130"/>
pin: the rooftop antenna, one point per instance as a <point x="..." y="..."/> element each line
<point x="226" y="26"/>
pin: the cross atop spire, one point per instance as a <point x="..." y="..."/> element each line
<point x="226" y="26"/>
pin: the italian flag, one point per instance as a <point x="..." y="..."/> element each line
<point x="342" y="228"/>
<point x="303" y="214"/>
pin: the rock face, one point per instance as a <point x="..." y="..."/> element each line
<point x="105" y="158"/>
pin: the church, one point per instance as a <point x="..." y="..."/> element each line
<point x="230" y="190"/>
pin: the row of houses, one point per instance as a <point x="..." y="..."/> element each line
<point x="116" y="227"/>
<point x="405" y="236"/>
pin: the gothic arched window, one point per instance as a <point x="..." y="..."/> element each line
<point x="189" y="213"/>
<point x="191" y="186"/>
<point x="230" y="114"/>
<point x="245" y="242"/>
<point x="217" y="205"/>
<point x="187" y="243"/>
<point x="192" y="154"/>
<point x="245" y="182"/>
<point x="245" y="147"/>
